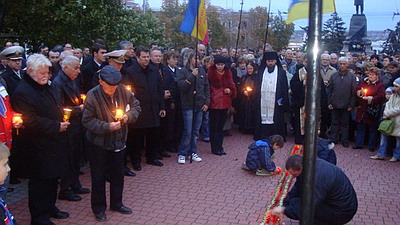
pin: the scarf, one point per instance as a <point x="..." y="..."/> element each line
<point x="268" y="91"/>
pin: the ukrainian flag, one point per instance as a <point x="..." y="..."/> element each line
<point x="196" y="8"/>
<point x="300" y="9"/>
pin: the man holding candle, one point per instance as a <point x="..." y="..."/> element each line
<point x="67" y="91"/>
<point x="44" y="133"/>
<point x="107" y="132"/>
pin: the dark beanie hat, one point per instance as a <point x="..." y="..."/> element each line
<point x="271" y="55"/>
<point x="219" y="59"/>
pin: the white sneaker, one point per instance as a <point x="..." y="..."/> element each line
<point x="196" y="158"/>
<point x="181" y="159"/>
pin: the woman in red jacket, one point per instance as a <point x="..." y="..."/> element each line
<point x="222" y="91"/>
<point x="371" y="96"/>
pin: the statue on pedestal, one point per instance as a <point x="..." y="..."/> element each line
<point x="359" y="4"/>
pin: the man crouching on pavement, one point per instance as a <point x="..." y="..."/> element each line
<point x="335" y="200"/>
<point x="108" y="108"/>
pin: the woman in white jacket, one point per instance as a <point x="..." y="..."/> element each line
<point x="392" y="111"/>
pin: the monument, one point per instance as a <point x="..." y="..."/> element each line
<point x="356" y="40"/>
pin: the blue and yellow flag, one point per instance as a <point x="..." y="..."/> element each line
<point x="196" y="8"/>
<point x="300" y="9"/>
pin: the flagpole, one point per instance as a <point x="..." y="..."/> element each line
<point x="194" y="82"/>
<point x="266" y="30"/>
<point x="240" y="21"/>
<point x="312" y="111"/>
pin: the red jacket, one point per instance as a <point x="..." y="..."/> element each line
<point x="6" y="114"/>
<point x="218" y="83"/>
<point x="377" y="91"/>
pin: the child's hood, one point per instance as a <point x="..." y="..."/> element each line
<point x="259" y="143"/>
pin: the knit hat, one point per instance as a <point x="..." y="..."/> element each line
<point x="397" y="82"/>
<point x="389" y="90"/>
<point x="219" y="59"/>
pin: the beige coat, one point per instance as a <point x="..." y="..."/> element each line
<point x="327" y="75"/>
<point x="392" y="110"/>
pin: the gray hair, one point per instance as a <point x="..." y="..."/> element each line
<point x="343" y="59"/>
<point x="37" y="60"/>
<point x="69" y="60"/>
<point x="66" y="53"/>
<point x="78" y="49"/>
<point x="122" y="45"/>
<point x="327" y="55"/>
<point x="333" y="54"/>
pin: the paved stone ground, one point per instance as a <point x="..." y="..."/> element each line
<point x="217" y="191"/>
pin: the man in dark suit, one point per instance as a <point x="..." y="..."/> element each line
<point x="146" y="85"/>
<point x="92" y="68"/>
<point x="67" y="91"/>
<point x="45" y="134"/>
<point x="13" y="73"/>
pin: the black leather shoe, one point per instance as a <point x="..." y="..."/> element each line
<point x="345" y="145"/>
<point x="81" y="191"/>
<point x="137" y="166"/>
<point x="44" y="223"/>
<point x="222" y="152"/>
<point x="101" y="217"/>
<point x="69" y="197"/>
<point x="128" y="172"/>
<point x="356" y="147"/>
<point x="122" y="210"/>
<point x="217" y="153"/>
<point x="164" y="154"/>
<point x="155" y="163"/>
<point x="371" y="149"/>
<point x="59" y="215"/>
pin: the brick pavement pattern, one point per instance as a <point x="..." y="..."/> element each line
<point x="218" y="191"/>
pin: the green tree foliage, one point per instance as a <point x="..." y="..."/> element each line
<point x="333" y="33"/>
<point x="80" y="22"/>
<point x="279" y="32"/>
<point x="392" y="44"/>
<point x="218" y="35"/>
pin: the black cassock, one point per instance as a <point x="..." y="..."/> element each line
<point x="281" y="94"/>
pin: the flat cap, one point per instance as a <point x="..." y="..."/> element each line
<point x="110" y="75"/>
<point x="117" y="55"/>
<point x="14" y="52"/>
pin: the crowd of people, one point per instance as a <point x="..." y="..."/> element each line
<point x="64" y="106"/>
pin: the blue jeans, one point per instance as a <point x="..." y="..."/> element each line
<point x="360" y="135"/>
<point x="190" y="131"/>
<point x="383" y="147"/>
<point x="205" y="126"/>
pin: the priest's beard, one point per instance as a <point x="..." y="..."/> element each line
<point x="271" y="68"/>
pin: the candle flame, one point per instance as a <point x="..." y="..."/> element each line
<point x="83" y="97"/>
<point x="119" y="113"/>
<point x="249" y="89"/>
<point x="17" y="118"/>
<point x="67" y="114"/>
<point x="129" y="87"/>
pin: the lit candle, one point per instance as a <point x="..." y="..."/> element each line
<point x="83" y="97"/>
<point x="365" y="92"/>
<point x="67" y="114"/>
<point x="278" y="169"/>
<point x="129" y="87"/>
<point x="119" y="113"/>
<point x="249" y="89"/>
<point x="17" y="118"/>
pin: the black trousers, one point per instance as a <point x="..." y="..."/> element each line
<point x="71" y="179"/>
<point x="102" y="162"/>
<point x="136" y="138"/>
<point x="298" y="138"/>
<point x="340" y="116"/>
<point x="325" y="121"/>
<point x="323" y="215"/>
<point x="217" y="121"/>
<point x="42" y="194"/>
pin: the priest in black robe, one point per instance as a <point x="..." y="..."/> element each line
<point x="272" y="100"/>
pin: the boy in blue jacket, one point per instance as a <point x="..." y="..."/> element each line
<point x="259" y="157"/>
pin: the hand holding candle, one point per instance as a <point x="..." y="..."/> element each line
<point x="67" y="114"/>
<point x="83" y="97"/>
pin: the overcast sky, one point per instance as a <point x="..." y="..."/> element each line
<point x="379" y="12"/>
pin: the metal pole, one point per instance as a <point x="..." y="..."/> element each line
<point x="312" y="112"/>
<point x="266" y="30"/>
<point x="240" y="21"/>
